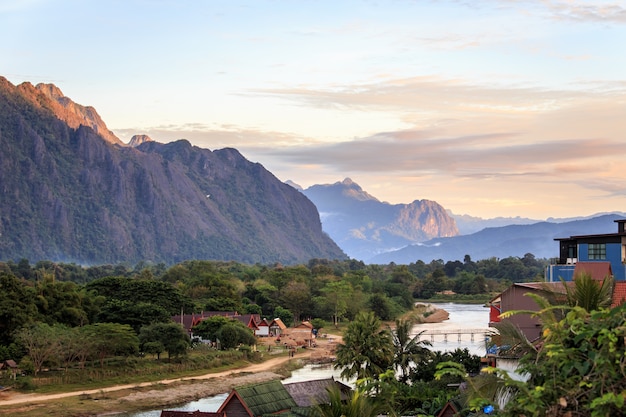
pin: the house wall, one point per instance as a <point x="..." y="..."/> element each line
<point x="262" y="331"/>
<point x="234" y="408"/>
<point x="613" y="255"/>
<point x="514" y="299"/>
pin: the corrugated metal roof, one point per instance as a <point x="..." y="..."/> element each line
<point x="597" y="270"/>
<point x="619" y="293"/>
<point x="310" y="393"/>
<point x="266" y="398"/>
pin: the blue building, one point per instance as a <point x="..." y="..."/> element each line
<point x="604" y="248"/>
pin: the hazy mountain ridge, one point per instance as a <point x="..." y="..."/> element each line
<point x="470" y="224"/>
<point x="502" y="242"/>
<point x="70" y="195"/>
<point x="363" y="226"/>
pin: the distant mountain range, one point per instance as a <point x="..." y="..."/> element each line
<point x="378" y="232"/>
<point x="363" y="226"/>
<point x="502" y="242"/>
<point x="72" y="191"/>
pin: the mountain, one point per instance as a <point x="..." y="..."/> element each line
<point x="137" y="140"/>
<point x="363" y="226"/>
<point x="71" y="194"/>
<point x="469" y="224"/>
<point x="501" y="242"/>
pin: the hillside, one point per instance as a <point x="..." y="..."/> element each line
<point x="364" y="226"/>
<point x="69" y="194"/>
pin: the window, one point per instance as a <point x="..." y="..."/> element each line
<point x="597" y="251"/>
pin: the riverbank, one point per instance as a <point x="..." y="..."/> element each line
<point x="168" y="393"/>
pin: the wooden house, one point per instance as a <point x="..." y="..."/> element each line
<point x="257" y="400"/>
<point x="303" y="332"/>
<point x="263" y="328"/>
<point x="250" y="320"/>
<point x="277" y="327"/>
<point x="10" y="367"/>
<point x="515" y="298"/>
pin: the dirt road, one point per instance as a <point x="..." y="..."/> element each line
<point x="225" y="380"/>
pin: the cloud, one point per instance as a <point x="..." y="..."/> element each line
<point x="585" y="11"/>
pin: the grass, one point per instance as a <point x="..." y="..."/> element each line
<point x="107" y="402"/>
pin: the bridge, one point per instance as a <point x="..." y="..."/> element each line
<point x="452" y="332"/>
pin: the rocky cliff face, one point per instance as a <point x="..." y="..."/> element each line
<point x="364" y="226"/>
<point x="137" y="140"/>
<point x="68" y="194"/>
<point x="49" y="96"/>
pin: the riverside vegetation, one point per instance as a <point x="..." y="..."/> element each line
<point x="69" y="326"/>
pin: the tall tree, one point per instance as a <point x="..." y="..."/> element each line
<point x="110" y="339"/>
<point x="407" y="349"/>
<point x="171" y="336"/>
<point x="366" y="350"/>
<point x="42" y="343"/>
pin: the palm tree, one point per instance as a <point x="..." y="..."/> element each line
<point x="356" y="405"/>
<point x="366" y="350"/>
<point x="407" y="349"/>
<point x="590" y="294"/>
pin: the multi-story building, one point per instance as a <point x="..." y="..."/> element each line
<point x="590" y="249"/>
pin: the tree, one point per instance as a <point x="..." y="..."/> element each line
<point x="17" y="307"/>
<point x="41" y="342"/>
<point x="296" y="296"/>
<point x="234" y="334"/>
<point x="366" y="350"/>
<point x="209" y="327"/>
<point x="379" y="304"/>
<point x="589" y="293"/>
<point x="337" y="294"/>
<point x="357" y="405"/>
<point x="283" y="314"/>
<point x="110" y="339"/>
<point x="168" y="337"/>
<point x="407" y="349"/>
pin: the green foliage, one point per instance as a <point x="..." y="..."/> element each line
<point x="367" y="350"/>
<point x="284" y="315"/>
<point x="407" y="350"/>
<point x="209" y="327"/>
<point x="233" y="334"/>
<point x="168" y="337"/>
<point x="580" y="367"/>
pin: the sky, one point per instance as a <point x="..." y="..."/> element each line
<point x="490" y="108"/>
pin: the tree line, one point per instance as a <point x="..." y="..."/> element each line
<point x="70" y="298"/>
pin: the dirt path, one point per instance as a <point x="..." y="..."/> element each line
<point x="260" y="371"/>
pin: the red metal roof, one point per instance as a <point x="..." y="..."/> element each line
<point x="619" y="293"/>
<point x="597" y="270"/>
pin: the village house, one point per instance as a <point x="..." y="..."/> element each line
<point x="189" y="321"/>
<point x="263" y="328"/>
<point x="276" y="398"/>
<point x="609" y="247"/>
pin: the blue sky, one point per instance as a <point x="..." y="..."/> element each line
<point x="491" y="108"/>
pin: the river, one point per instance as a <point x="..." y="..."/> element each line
<point x="462" y="316"/>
